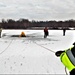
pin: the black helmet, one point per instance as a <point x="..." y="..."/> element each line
<point x="58" y="53"/>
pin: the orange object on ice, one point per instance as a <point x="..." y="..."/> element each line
<point x="22" y="34"/>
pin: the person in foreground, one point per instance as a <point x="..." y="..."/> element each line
<point x="67" y="57"/>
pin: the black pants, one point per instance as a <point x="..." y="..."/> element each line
<point x="46" y="34"/>
<point x="64" y="32"/>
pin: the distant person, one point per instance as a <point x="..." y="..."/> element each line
<point x="67" y="57"/>
<point x="64" y="30"/>
<point x="22" y="34"/>
<point x="46" y="33"/>
<point x="0" y="32"/>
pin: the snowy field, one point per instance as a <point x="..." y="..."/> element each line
<point x="33" y="54"/>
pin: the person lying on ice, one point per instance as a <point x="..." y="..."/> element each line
<point x="67" y="57"/>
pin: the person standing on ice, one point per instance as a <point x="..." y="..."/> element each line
<point x="67" y="57"/>
<point x="64" y="30"/>
<point x="46" y="33"/>
<point x="0" y="32"/>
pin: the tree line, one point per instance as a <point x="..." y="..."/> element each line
<point x="25" y="24"/>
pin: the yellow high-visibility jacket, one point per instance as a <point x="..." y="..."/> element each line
<point x="68" y="59"/>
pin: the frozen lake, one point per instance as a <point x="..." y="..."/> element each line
<point x="33" y="54"/>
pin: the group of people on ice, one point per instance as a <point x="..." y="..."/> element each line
<point x="46" y="32"/>
<point x="67" y="57"/>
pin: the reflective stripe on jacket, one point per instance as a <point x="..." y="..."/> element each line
<point x="68" y="59"/>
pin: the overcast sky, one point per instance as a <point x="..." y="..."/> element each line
<point x="40" y="10"/>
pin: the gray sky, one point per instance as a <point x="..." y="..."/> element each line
<point x="40" y="10"/>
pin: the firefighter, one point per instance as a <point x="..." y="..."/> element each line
<point x="67" y="57"/>
<point x="46" y="33"/>
<point x="64" y="30"/>
<point x="22" y="34"/>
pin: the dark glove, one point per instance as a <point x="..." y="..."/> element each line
<point x="58" y="53"/>
<point x="74" y="43"/>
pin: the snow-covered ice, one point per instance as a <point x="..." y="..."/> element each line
<point x="30" y="55"/>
